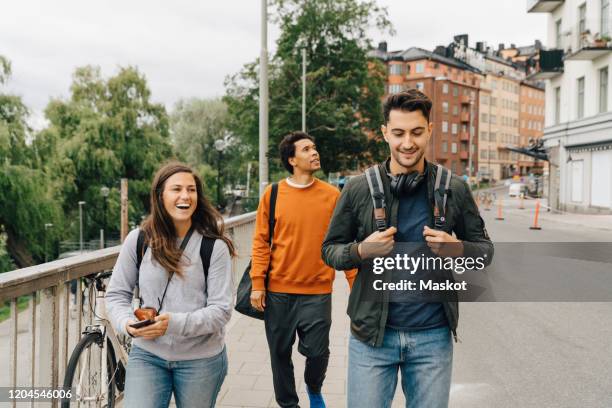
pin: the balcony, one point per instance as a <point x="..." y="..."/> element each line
<point x="465" y="117"/>
<point x="548" y="66"/>
<point x="542" y="6"/>
<point x="585" y="43"/>
<point x="464" y="99"/>
<point x="463" y="155"/>
<point x="464" y="136"/>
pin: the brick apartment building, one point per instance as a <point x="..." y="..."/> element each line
<point x="454" y="90"/>
<point x="531" y="124"/>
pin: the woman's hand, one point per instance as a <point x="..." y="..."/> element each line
<point x="151" y="331"/>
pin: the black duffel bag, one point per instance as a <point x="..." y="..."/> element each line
<point x="243" y="296"/>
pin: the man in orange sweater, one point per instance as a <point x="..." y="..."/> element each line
<point x="297" y="298"/>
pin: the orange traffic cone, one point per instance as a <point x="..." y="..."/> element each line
<point x="535" y="225"/>
<point x="499" y="210"/>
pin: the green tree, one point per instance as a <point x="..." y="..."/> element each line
<point x="195" y="126"/>
<point x="26" y="202"/>
<point x="344" y="87"/>
<point x="108" y="129"/>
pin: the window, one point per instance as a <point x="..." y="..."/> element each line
<point x="558" y="34"/>
<point x="420" y="86"/>
<point x="445" y="107"/>
<point x="485" y="99"/>
<point x="485" y="117"/>
<point x="580" y="101"/>
<point x="492" y="154"/>
<point x="605" y="17"/>
<point x="557" y="105"/>
<point x="603" y="89"/>
<point x="483" y="154"/>
<point x="395" y="69"/>
<point x="455" y="110"/>
<point x="420" y="68"/>
<point x="582" y="19"/>
<point x="483" y="135"/>
<point x="454" y="129"/>
<point x="445" y="88"/>
<point x="493" y="101"/>
<point x="493" y="119"/>
<point x="444" y="127"/>
<point x="455" y="91"/>
<point x="454" y="147"/>
<point x="445" y="147"/>
<point x="395" y="88"/>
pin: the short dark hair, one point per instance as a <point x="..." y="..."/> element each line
<point x="287" y="147"/>
<point x="410" y="100"/>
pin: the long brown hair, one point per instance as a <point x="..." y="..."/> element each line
<point x="158" y="227"/>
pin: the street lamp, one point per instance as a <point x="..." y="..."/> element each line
<point x="219" y="146"/>
<point x="81" y="204"/>
<point x="47" y="226"/>
<point x="104" y="191"/>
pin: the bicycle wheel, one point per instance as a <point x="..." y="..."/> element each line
<point x="84" y="373"/>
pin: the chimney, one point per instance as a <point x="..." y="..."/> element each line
<point x="440" y="50"/>
<point x="462" y="38"/>
<point x="382" y="46"/>
<point x="501" y="47"/>
<point x="513" y="46"/>
<point x="480" y="46"/>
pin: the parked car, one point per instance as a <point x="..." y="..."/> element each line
<point x="516" y="189"/>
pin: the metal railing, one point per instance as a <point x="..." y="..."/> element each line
<point x="42" y="336"/>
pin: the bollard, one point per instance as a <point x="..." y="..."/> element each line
<point x="535" y="225"/>
<point x="522" y="201"/>
<point x="499" y="210"/>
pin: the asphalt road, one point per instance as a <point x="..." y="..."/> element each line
<point x="535" y="354"/>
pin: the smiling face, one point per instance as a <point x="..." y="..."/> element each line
<point x="306" y="159"/>
<point x="180" y="197"/>
<point x="407" y="134"/>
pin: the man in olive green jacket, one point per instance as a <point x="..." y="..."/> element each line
<point x="413" y="338"/>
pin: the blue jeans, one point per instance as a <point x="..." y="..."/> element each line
<point x="150" y="380"/>
<point x="425" y="358"/>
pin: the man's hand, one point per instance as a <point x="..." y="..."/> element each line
<point x="442" y="244"/>
<point x="151" y="331"/>
<point x="258" y="299"/>
<point x="378" y="244"/>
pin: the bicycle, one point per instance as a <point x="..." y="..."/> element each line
<point x="96" y="369"/>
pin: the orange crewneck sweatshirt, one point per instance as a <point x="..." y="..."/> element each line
<point x="302" y="218"/>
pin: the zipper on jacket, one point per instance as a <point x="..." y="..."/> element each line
<point x="457" y="340"/>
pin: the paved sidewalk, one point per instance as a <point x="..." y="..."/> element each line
<point x="249" y="382"/>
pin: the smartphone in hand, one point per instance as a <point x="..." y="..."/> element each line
<point x="142" y="323"/>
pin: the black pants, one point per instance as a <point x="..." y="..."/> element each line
<point x="310" y="317"/>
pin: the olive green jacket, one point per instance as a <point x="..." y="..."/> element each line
<point x="353" y="221"/>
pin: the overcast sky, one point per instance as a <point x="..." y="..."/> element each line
<point x="186" y="48"/>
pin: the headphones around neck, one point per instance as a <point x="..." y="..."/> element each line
<point x="405" y="183"/>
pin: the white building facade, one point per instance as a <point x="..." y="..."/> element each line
<point x="578" y="124"/>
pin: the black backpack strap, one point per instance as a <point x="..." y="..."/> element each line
<point x="378" y="197"/>
<point x="441" y="187"/>
<point x="141" y="248"/>
<point x="272" y="215"/>
<point x="206" y="249"/>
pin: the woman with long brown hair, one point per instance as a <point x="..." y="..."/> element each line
<point x="185" y="293"/>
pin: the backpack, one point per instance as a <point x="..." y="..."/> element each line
<point x="243" y="295"/>
<point x="206" y="248"/>
<point x="443" y="178"/>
